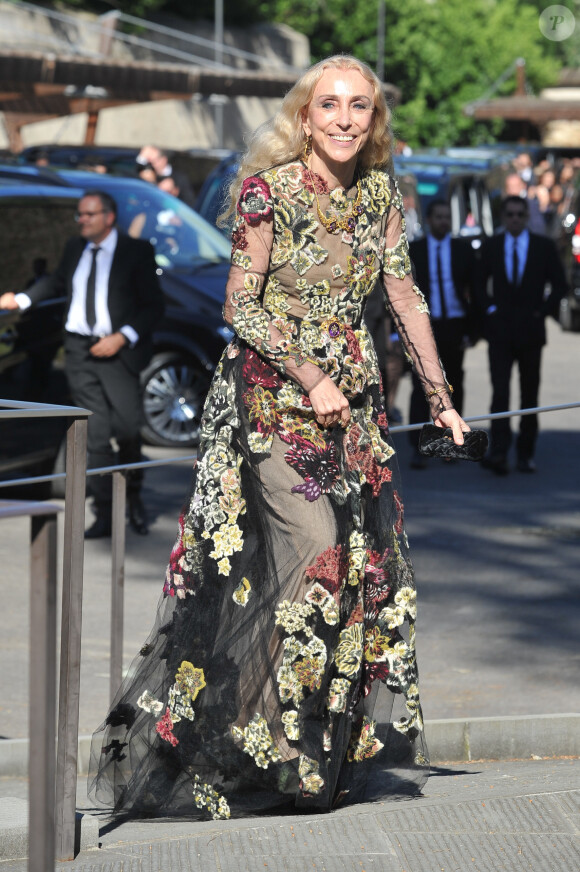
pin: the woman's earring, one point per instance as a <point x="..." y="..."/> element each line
<point x="307" y="149"/>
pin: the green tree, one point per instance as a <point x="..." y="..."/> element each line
<point x="567" y="51"/>
<point x="442" y="54"/>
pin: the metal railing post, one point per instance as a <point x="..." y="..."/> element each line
<point x="70" y="650"/>
<point x="117" y="581"/>
<point x="42" y="693"/>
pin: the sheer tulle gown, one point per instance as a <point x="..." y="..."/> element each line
<point x="281" y="670"/>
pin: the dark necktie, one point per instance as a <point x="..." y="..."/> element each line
<point x="515" y="264"/>
<point x="91" y="284"/>
<point x="440" y="281"/>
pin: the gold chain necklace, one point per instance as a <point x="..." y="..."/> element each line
<point x="344" y="222"/>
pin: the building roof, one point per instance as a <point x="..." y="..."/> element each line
<point x="44" y="85"/>
<point x="538" y="110"/>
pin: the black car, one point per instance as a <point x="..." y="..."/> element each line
<point x="193" y="262"/>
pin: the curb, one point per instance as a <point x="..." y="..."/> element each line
<point x="456" y="740"/>
<point x="518" y="737"/>
<point x="14" y="829"/>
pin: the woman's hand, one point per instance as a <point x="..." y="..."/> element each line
<point x="329" y="404"/>
<point x="451" y="418"/>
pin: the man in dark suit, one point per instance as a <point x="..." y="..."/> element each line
<point x="113" y="302"/>
<point x="444" y="270"/>
<point x="513" y="307"/>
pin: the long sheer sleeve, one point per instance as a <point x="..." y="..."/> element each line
<point x="410" y="312"/>
<point x="252" y="240"/>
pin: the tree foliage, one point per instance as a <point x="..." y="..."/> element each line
<point x="442" y="54"/>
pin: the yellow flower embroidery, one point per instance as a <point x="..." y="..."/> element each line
<point x="258" y="741"/>
<point x="348" y="655"/>
<point x="224" y="566"/>
<point x="241" y="595"/>
<point x="189" y="680"/>
<point x="227" y="539"/>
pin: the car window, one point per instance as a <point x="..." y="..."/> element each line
<point x="214" y="198"/>
<point x="32" y="229"/>
<point x="180" y="236"/>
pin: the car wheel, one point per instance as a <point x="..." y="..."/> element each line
<point x="174" y="389"/>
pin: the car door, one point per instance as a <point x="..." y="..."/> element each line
<point x="34" y="231"/>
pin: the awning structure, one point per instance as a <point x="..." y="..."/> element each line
<point x="563" y="104"/>
<point x="36" y="86"/>
<point x="535" y="109"/>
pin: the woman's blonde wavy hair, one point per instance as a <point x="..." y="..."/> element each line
<point x="282" y="138"/>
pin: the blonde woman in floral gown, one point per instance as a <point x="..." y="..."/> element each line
<point x="286" y="631"/>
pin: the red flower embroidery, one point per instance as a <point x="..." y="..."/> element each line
<point x="372" y="672"/>
<point x="329" y="568"/>
<point x="382" y="421"/>
<point x="376" y="587"/>
<point x="176" y="555"/>
<point x="164" y="727"/>
<point x="356" y="616"/>
<point x="353" y="346"/>
<point x="308" y="178"/>
<point x="239" y="240"/>
<point x="360" y="457"/>
<point x="258" y="372"/>
<point x="255" y="203"/>
<point x="400" y="512"/>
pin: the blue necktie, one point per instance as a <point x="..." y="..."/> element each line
<point x="440" y="281"/>
<point x="515" y="264"/>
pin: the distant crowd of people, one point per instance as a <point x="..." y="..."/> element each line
<point x="154" y="166"/>
<point x="548" y="188"/>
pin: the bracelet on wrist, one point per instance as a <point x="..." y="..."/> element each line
<point x="448" y="389"/>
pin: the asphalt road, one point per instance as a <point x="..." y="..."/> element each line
<point x="496" y="562"/>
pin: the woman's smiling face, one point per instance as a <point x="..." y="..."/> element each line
<point x="339" y="118"/>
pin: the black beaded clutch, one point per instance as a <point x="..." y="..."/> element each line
<point x="438" y="442"/>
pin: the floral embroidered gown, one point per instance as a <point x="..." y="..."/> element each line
<point x="281" y="670"/>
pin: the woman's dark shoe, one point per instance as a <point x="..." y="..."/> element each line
<point x="100" y="528"/>
<point x="138" y="516"/>
<point x="497" y="463"/>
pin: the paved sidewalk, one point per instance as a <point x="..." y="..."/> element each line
<point x="513" y="816"/>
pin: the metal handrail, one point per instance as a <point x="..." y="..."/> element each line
<point x="42" y="676"/>
<point x="54" y="828"/>
<point x="104" y="31"/>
